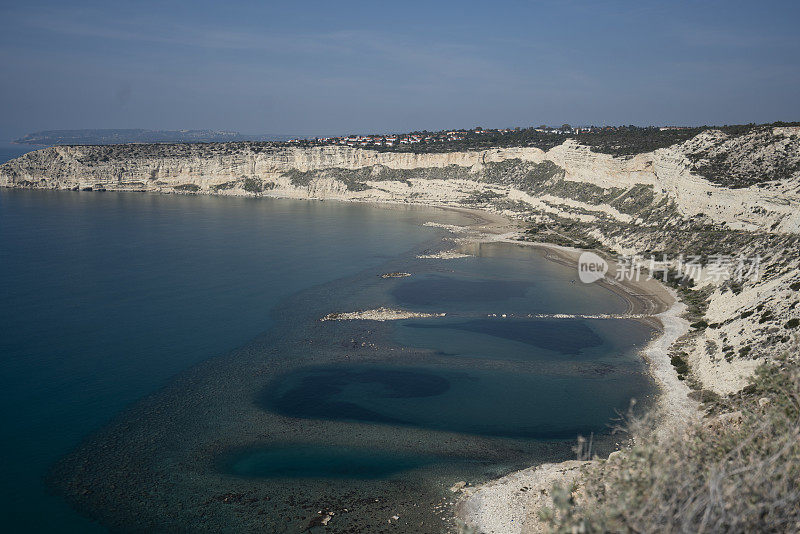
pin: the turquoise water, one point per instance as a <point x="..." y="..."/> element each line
<point x="107" y="296"/>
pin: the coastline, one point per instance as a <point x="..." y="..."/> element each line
<point x="510" y="504"/>
<point x="658" y="306"/>
<point x="666" y="203"/>
<point x="648" y="301"/>
<point x="642" y="297"/>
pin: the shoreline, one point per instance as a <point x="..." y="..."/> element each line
<point x="648" y="301"/>
<point x="510" y="504"/>
<point x="178" y="435"/>
<point x="645" y="297"/>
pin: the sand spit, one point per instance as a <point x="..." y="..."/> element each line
<point x="571" y="315"/>
<point x="674" y="404"/>
<point x="378" y="314"/>
<point x="395" y="275"/>
<point x="451" y="227"/>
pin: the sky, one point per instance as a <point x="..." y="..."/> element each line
<point x="339" y="67"/>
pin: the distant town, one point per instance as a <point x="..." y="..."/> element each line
<point x="616" y="140"/>
<point x="424" y="140"/>
<point x="451" y="136"/>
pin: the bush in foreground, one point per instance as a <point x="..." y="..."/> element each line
<point x="735" y="471"/>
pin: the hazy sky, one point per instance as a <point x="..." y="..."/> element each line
<point x="340" y="67"/>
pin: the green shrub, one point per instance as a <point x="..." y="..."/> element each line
<point x="737" y="474"/>
<point x="678" y="361"/>
<point x="482" y="197"/>
<point x="225" y="186"/>
<point x="187" y="187"/>
<point x="253" y="185"/>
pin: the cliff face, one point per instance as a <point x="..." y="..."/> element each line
<point x="656" y="201"/>
<point x="509" y="176"/>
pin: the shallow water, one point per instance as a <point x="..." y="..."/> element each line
<point x="568" y="337"/>
<point x="553" y="340"/>
<point x="377" y="419"/>
<point x="322" y="461"/>
<point x="439" y="291"/>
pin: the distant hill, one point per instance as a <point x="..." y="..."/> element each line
<point x="120" y="136"/>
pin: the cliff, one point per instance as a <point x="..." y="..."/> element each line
<point x="572" y="177"/>
<point x="713" y="194"/>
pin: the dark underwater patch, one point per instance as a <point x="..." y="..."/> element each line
<point x="485" y="402"/>
<point x="311" y="394"/>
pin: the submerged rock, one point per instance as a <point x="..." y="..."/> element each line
<point x="395" y="275"/>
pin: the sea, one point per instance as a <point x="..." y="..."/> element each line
<point x="164" y="365"/>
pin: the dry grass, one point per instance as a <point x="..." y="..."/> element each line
<point x="737" y="471"/>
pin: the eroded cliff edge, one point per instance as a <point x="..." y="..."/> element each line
<point x="651" y="203"/>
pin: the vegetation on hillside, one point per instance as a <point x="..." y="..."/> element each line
<point x="487" y="139"/>
<point x="736" y="471"/>
<point x="189" y="188"/>
<point x="742" y="157"/>
<point x="631" y="140"/>
<point x="619" y="141"/>
<point x="616" y="140"/>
